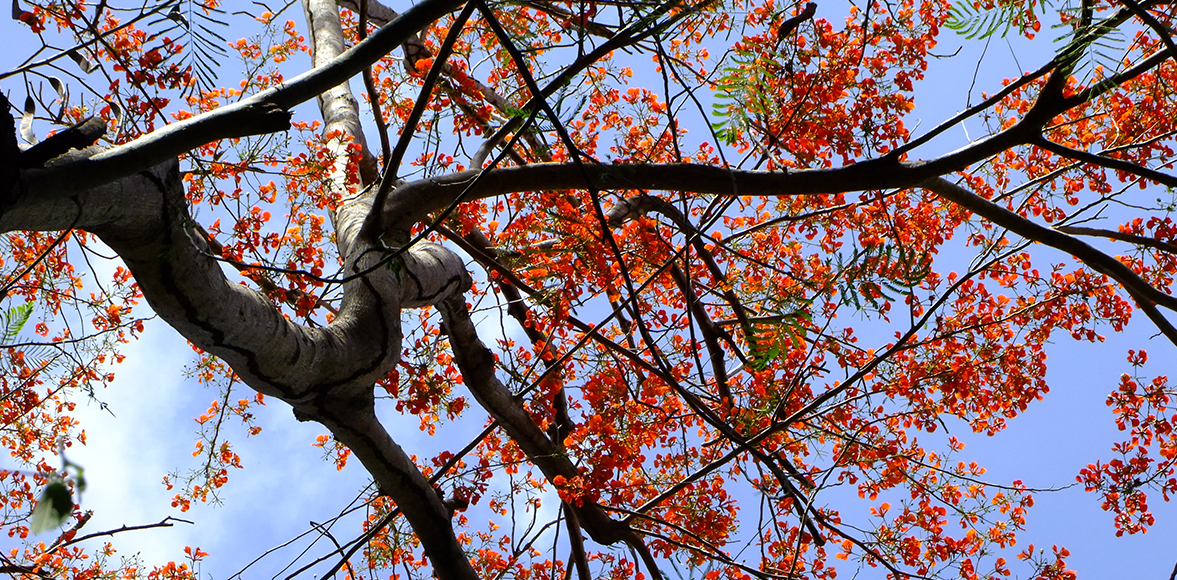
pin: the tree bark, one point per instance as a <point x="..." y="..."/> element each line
<point x="132" y="197"/>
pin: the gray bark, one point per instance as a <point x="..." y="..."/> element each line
<point x="132" y="197"/>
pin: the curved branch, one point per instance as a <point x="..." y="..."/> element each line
<point x="1123" y="237"/>
<point x="354" y="423"/>
<point x="186" y="286"/>
<point x="477" y="364"/>
<point x="1108" y="162"/>
<point x="341" y="116"/>
<point x="1145" y="294"/>
<point x="265" y="112"/>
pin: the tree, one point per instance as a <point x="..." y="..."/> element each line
<point x="686" y="207"/>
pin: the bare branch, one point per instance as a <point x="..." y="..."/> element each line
<point x="1123" y="237"/>
<point x="1108" y="162"/>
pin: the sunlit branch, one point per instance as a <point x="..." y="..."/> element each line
<point x="354" y="423"/>
<point x="290" y="296"/>
<point x="375" y="528"/>
<point x="374" y="10"/>
<point x="476" y="244"/>
<point x="478" y="369"/>
<point x="562" y="425"/>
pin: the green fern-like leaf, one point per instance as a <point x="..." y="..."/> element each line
<point x="767" y="342"/>
<point x="1090" y="49"/>
<point x="13" y="320"/>
<point x="40" y="356"/>
<point x="973" y="22"/>
<point x="737" y="95"/>
<point x="859" y="276"/>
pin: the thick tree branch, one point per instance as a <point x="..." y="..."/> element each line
<point x="422" y="274"/>
<point x="337" y="105"/>
<point x="711" y="334"/>
<point x="476" y="244"/>
<point x="477" y="364"/>
<point x="354" y="423"/>
<point x="341" y="116"/>
<point x="186" y="286"/>
<point x="80" y="136"/>
<point x="412" y="202"/>
<point x="265" y="112"/>
<point x="1108" y="162"/>
<point x="145" y="219"/>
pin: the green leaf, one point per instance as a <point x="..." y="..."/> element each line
<point x="53" y="507"/>
<point x="973" y="22"/>
<point x="1088" y="49"/>
<point x="14" y="319"/>
<point x="860" y="277"/>
<point x="771" y="342"/>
